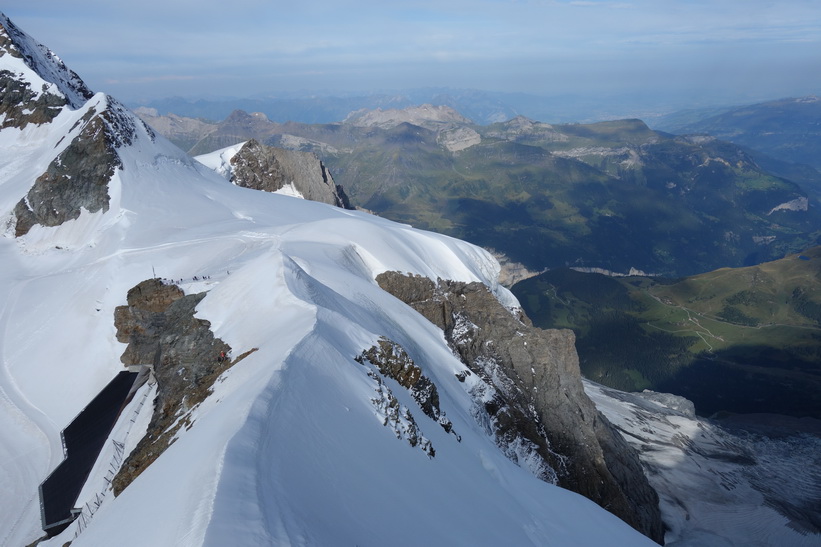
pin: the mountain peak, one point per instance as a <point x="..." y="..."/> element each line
<point x="27" y="61"/>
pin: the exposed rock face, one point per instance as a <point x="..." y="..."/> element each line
<point x="459" y="139"/>
<point x="292" y="142"/>
<point x="539" y="394"/>
<point x="511" y="272"/>
<point x="521" y="128"/>
<point x="160" y="328"/>
<point x="431" y="117"/>
<point x="798" y="204"/>
<point x="398" y="417"/>
<point x="78" y="178"/>
<point x="270" y="169"/>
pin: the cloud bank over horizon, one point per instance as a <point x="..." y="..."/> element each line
<point x="709" y="50"/>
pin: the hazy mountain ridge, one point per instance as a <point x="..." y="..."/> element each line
<point x="435" y="118"/>
<point x="787" y="129"/>
<point x="482" y="106"/>
<point x="182" y="131"/>
<point x="306" y="108"/>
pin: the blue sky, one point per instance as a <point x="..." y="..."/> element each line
<point x="705" y="49"/>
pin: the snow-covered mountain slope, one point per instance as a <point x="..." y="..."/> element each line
<point x="719" y="486"/>
<point x="297" y="443"/>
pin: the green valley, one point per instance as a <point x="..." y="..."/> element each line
<point x="735" y="339"/>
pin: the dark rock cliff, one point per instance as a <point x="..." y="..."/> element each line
<point x="78" y="177"/>
<point x="160" y="328"/>
<point x="539" y="394"/>
<point x="270" y="169"/>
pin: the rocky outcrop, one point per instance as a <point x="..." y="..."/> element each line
<point x="397" y="416"/>
<point x="511" y="272"/>
<point x="538" y="394"/>
<point x="270" y="169"/>
<point x="159" y="326"/>
<point x="21" y="105"/>
<point x="524" y="129"/>
<point x="798" y="204"/>
<point x="393" y="361"/>
<point x="78" y="178"/>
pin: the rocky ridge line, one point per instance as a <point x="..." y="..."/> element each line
<point x="45" y="63"/>
<point x="435" y="118"/>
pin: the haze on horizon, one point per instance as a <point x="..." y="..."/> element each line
<point x="697" y="51"/>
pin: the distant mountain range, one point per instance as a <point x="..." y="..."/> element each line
<point x="611" y="195"/>
<point x="482" y="107"/>
<point x="784" y="136"/>
<point x="786" y="129"/>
